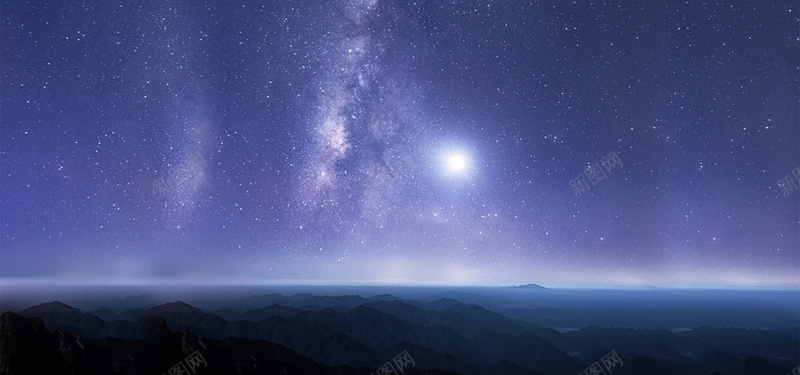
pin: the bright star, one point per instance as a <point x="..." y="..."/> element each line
<point x="456" y="163"/>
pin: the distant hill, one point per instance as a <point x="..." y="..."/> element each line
<point x="529" y="286"/>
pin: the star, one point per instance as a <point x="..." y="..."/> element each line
<point x="456" y="163"/>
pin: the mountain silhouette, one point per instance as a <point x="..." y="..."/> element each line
<point x="357" y="335"/>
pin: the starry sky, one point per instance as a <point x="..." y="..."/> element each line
<point x="394" y="142"/>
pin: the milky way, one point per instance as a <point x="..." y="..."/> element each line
<point x="358" y="130"/>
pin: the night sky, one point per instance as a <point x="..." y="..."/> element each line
<point x="379" y="141"/>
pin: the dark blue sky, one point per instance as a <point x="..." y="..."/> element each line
<point x="313" y="142"/>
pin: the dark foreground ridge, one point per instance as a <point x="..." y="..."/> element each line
<point x="28" y="348"/>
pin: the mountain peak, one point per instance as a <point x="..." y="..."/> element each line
<point x="51" y="307"/>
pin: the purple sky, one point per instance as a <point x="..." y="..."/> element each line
<point x="373" y="141"/>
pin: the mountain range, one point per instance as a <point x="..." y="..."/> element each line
<point x="353" y="335"/>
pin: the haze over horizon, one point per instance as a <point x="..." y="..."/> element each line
<point x="375" y="142"/>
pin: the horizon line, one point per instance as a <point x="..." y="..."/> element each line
<point x="23" y="282"/>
